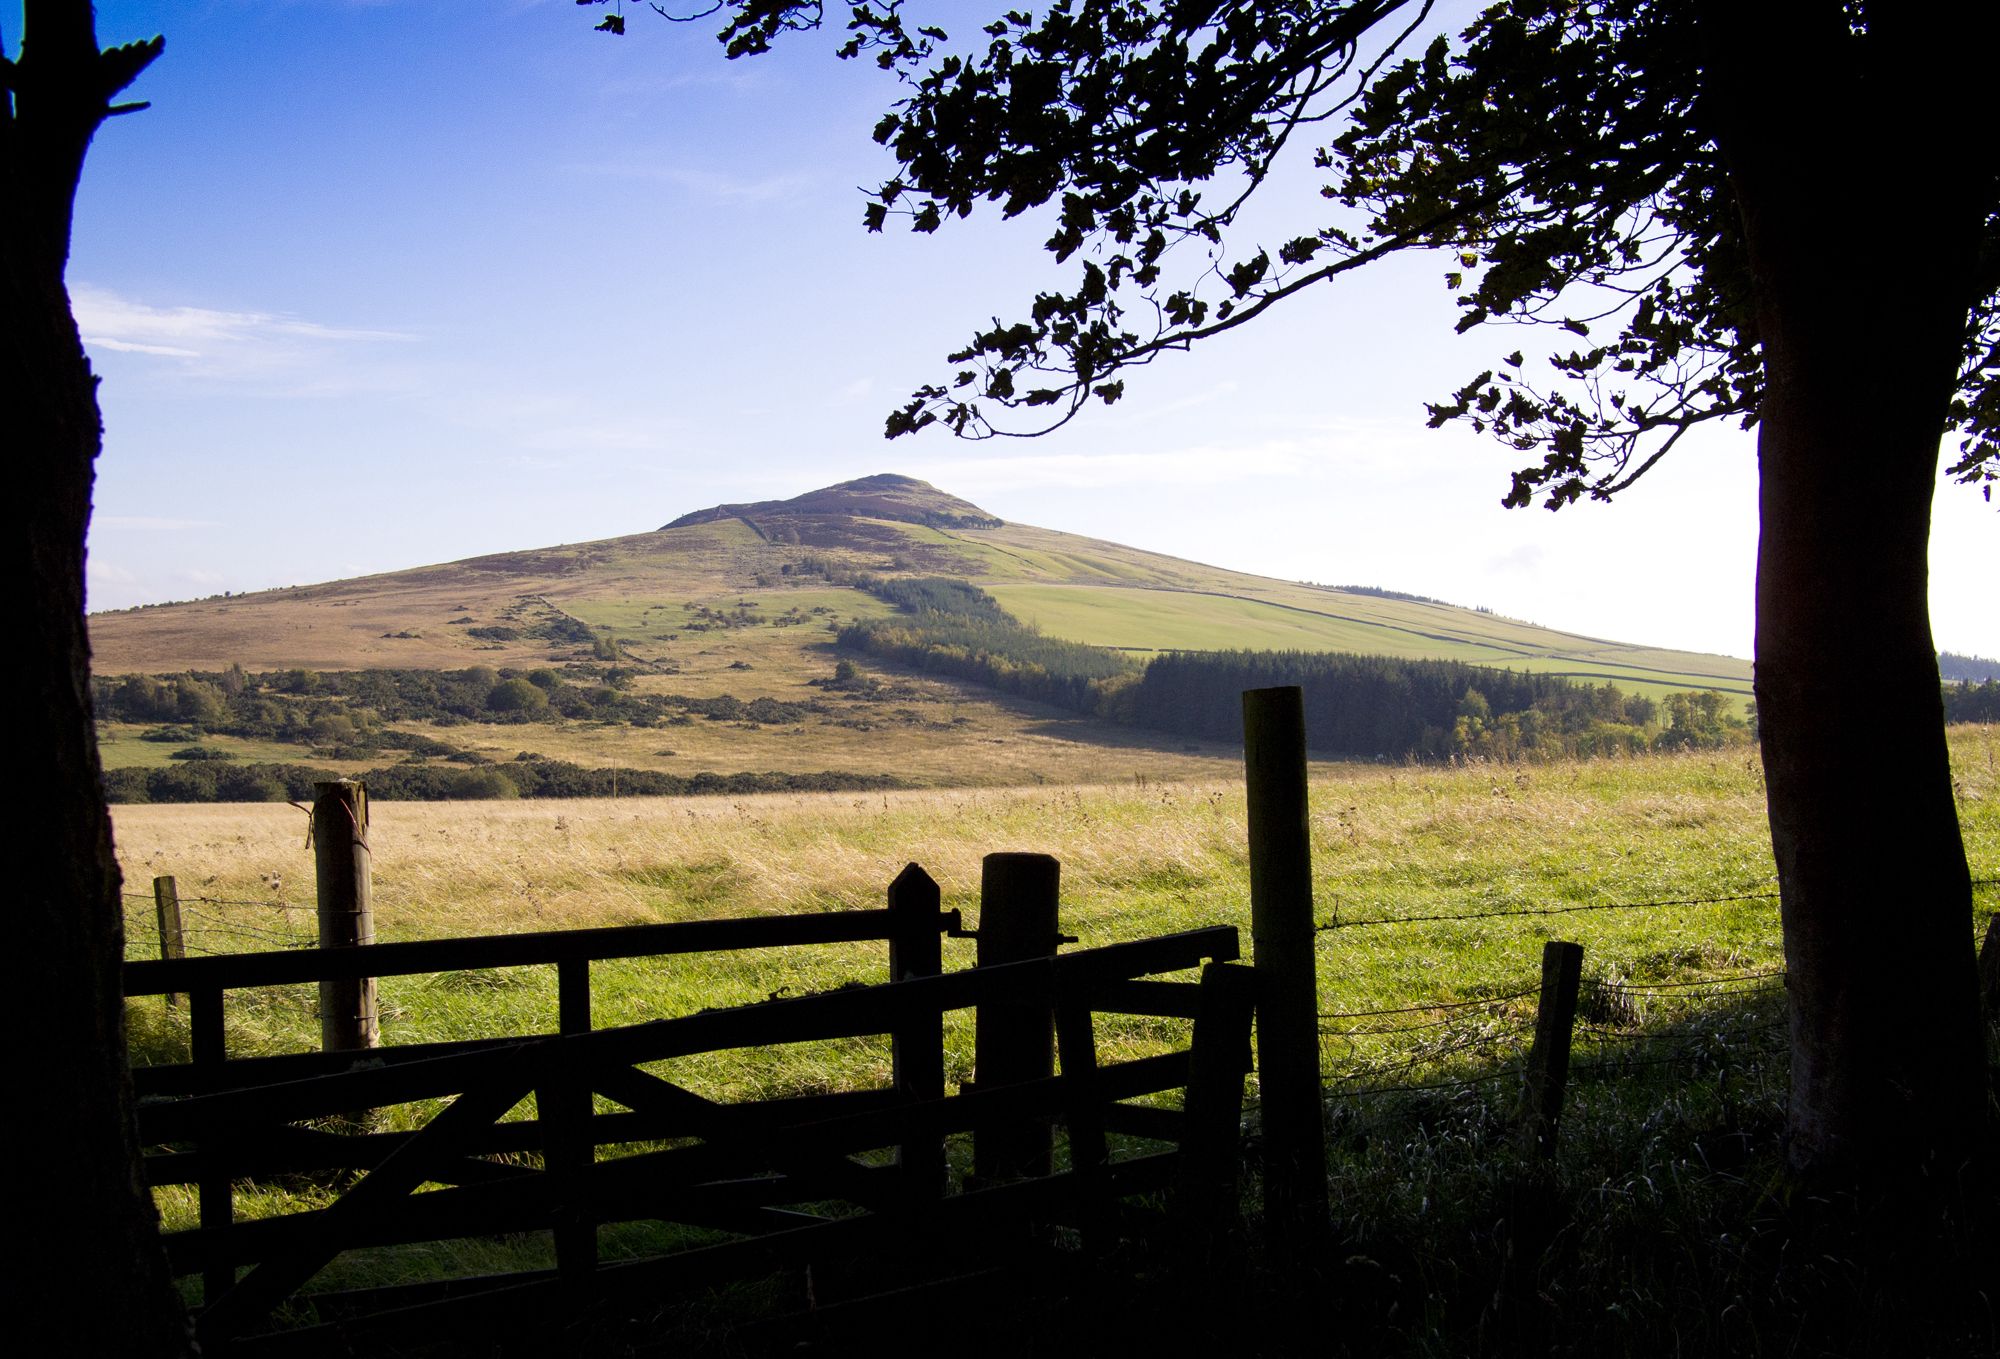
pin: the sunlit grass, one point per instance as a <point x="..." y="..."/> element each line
<point x="1484" y="846"/>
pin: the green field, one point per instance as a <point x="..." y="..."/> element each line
<point x="1151" y="620"/>
<point x="1674" y="849"/>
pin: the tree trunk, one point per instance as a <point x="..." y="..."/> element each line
<point x="1863" y="274"/>
<point x="89" y="1274"/>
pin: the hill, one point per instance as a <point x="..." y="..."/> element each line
<point x="885" y="495"/>
<point x="740" y="602"/>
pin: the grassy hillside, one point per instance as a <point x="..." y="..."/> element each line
<point x="745" y="603"/>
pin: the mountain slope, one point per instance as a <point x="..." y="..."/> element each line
<point x="730" y="586"/>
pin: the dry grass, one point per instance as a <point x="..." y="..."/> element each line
<point x="1137" y="859"/>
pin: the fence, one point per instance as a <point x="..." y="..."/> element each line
<point x="214" y="1121"/>
<point x="226" y="1118"/>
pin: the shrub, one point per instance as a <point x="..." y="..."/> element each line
<point x="516" y="696"/>
<point x="476" y="785"/>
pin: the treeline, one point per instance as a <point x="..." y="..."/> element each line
<point x="528" y="776"/>
<point x="1972" y="702"/>
<point x="343" y="712"/>
<point x="948" y="627"/>
<point x="1370" y="707"/>
<point x="1356" y="706"/>
<point x="1954" y="668"/>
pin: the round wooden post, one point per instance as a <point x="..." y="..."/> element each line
<point x="167" y="909"/>
<point x="1281" y="932"/>
<point x="1015" y="1040"/>
<point x="1548" y="1059"/>
<point x="916" y="949"/>
<point x="347" y="1013"/>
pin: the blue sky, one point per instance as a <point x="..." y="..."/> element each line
<point x="373" y="285"/>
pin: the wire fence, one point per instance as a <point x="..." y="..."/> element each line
<point x="212" y="925"/>
<point x="1705" y="1024"/>
<point x="1447" y="1044"/>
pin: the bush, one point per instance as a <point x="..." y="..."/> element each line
<point x="478" y="785"/>
<point x="516" y="696"/>
<point x="200" y="753"/>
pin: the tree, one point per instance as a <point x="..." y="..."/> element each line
<point x="1715" y="207"/>
<point x="73" y="1094"/>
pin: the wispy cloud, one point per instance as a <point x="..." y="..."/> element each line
<point x="150" y="523"/>
<point x="215" y="343"/>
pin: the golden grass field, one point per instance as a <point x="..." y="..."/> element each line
<point x="1137" y="858"/>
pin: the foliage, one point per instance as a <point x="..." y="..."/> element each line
<point x="953" y="628"/>
<point x="517" y="697"/>
<point x="530" y="776"/>
<point x="936" y="594"/>
<point x="1565" y="155"/>
<point x="1972" y="702"/>
<point x="1954" y="667"/>
<point x="1377" y="707"/>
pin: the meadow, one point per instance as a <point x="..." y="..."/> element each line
<point x="1435" y="887"/>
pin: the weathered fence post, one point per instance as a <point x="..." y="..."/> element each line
<point x="916" y="949"/>
<point x="1218" y="1060"/>
<point x="564" y="1107"/>
<point x="1548" y="1059"/>
<point x="167" y="907"/>
<point x="1989" y="968"/>
<point x="1281" y="931"/>
<point x="347" y="1014"/>
<point x="1018" y="896"/>
<point x="215" y="1195"/>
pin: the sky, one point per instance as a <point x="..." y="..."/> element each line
<point x="380" y="283"/>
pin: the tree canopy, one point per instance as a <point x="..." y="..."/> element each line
<point x="1708" y="211"/>
<point x="1566" y="157"/>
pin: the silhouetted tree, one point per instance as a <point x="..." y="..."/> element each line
<point x="1732" y="187"/>
<point x="89" y="1273"/>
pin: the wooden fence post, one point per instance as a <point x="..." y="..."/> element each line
<point x="1218" y="1060"/>
<point x="347" y="1013"/>
<point x="916" y="949"/>
<point x="215" y="1195"/>
<point x="1989" y="968"/>
<point x="1548" y="1059"/>
<point x="1282" y="935"/>
<point x="1015" y="1042"/>
<point x="167" y="907"/>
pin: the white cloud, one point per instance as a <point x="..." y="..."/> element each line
<point x="149" y="523"/>
<point x="224" y="345"/>
<point x="106" y="317"/>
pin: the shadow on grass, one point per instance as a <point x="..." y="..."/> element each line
<point x="1666" y="1224"/>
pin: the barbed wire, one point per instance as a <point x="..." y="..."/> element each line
<point x="1421" y="1009"/>
<point x="1463" y="1084"/>
<point x="226" y="901"/>
<point x="1431" y="1055"/>
<point x="1698" y="983"/>
<point x="1325" y="926"/>
<point x="1381" y="1030"/>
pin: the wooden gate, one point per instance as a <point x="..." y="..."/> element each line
<point x="569" y="1132"/>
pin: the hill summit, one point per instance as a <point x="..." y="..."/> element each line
<point x="885" y="495"/>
